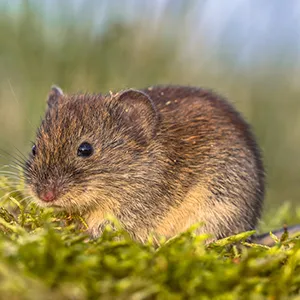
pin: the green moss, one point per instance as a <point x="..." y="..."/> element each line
<point x="45" y="255"/>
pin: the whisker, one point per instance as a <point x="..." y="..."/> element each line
<point x="15" y="159"/>
<point x="21" y="155"/>
<point x="18" y="166"/>
<point x="8" y="173"/>
<point x="11" y="179"/>
<point x="25" y="198"/>
<point x="7" y="191"/>
<point x="13" y="191"/>
<point x="7" y="195"/>
<point x="11" y="184"/>
<point x="6" y="153"/>
<point x="7" y="166"/>
<point x="21" y="172"/>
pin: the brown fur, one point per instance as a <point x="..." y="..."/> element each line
<point x="164" y="158"/>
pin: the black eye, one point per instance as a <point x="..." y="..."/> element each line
<point x="85" y="150"/>
<point x="33" y="150"/>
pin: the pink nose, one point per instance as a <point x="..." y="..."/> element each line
<point x="47" y="196"/>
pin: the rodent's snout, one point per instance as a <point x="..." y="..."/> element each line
<point x="47" y="196"/>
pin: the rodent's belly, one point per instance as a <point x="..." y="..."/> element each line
<point x="217" y="218"/>
<point x="191" y="211"/>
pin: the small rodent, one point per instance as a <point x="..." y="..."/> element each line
<point x="158" y="159"/>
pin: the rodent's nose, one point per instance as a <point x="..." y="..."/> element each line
<point x="47" y="196"/>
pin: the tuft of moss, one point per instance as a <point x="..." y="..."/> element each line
<point x="46" y="255"/>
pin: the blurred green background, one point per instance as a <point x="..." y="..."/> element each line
<point x="98" y="46"/>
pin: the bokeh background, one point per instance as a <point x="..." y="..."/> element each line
<point x="247" y="50"/>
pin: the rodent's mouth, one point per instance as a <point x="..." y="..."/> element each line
<point x="49" y="197"/>
<point x="65" y="202"/>
<point x="57" y="203"/>
<point x="37" y="200"/>
<point x="54" y="203"/>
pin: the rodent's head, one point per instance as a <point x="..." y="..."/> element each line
<point x="89" y="149"/>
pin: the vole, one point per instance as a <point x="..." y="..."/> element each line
<point x="158" y="159"/>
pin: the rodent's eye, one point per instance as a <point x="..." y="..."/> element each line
<point x="33" y="150"/>
<point x="85" y="150"/>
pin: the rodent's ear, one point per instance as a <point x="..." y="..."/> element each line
<point x="138" y="111"/>
<point x="53" y="97"/>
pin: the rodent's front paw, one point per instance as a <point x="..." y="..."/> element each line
<point x="94" y="232"/>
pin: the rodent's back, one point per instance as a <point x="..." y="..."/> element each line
<point x="162" y="159"/>
<point x="216" y="156"/>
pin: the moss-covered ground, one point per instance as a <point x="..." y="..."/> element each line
<point x="45" y="255"/>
